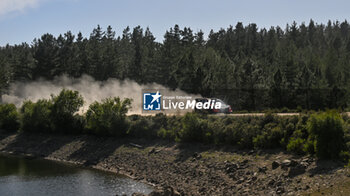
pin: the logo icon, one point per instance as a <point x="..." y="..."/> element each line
<point x="151" y="101"/>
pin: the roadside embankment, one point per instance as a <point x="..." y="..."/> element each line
<point x="186" y="169"/>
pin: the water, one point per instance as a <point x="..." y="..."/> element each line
<point x="21" y="176"/>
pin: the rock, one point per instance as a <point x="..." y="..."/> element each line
<point x="289" y="163"/>
<point x="254" y="178"/>
<point x="232" y="176"/>
<point x="275" y="164"/>
<point x="240" y="181"/>
<point x="230" y="170"/>
<point x="246" y="190"/>
<point x="197" y="156"/>
<point x="251" y="152"/>
<point x="308" y="160"/>
<point x="271" y="182"/>
<point x="262" y="169"/>
<point x="138" y="194"/>
<point x="304" y="164"/>
<point x="167" y="191"/>
<point x="231" y="167"/>
<point x="157" y="151"/>
<point x="135" y="145"/>
<point x="307" y="187"/>
<point x="152" y="151"/>
<point x="280" y="190"/>
<point x="286" y="163"/>
<point x="156" y="193"/>
<point x="293" y="163"/>
<point x="297" y="170"/>
<point x="278" y="183"/>
<point x="175" y="193"/>
<point x="244" y="162"/>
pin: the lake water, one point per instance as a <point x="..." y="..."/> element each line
<point x="21" y="176"/>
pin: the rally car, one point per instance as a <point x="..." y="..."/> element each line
<point x="225" y="108"/>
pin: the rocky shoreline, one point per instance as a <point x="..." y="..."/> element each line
<point x="185" y="169"/>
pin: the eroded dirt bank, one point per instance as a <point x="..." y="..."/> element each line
<point x="190" y="169"/>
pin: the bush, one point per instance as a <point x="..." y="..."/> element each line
<point x="35" y="117"/>
<point x="166" y="134"/>
<point x="345" y="157"/>
<point x="238" y="131"/>
<point x="296" y="145"/>
<point x="326" y="135"/>
<point x="9" y="117"/>
<point x="193" y="129"/>
<point x="270" y="137"/>
<point x="64" y="107"/>
<point x="296" y="142"/>
<point x="246" y="134"/>
<point x="268" y="118"/>
<point x="142" y="127"/>
<point x="220" y="134"/>
<point x="172" y="129"/>
<point x="108" y="117"/>
<point x="289" y="128"/>
<point x="160" y="121"/>
<point x="229" y="135"/>
<point x="54" y="115"/>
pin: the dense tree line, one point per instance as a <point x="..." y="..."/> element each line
<point x="324" y="134"/>
<point x="252" y="69"/>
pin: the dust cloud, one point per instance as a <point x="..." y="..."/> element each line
<point x="88" y="87"/>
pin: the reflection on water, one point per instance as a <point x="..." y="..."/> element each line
<point x="20" y="176"/>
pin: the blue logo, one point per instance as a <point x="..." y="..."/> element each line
<point x="151" y="101"/>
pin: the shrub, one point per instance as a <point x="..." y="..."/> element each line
<point x="54" y="115"/>
<point x="35" y="117"/>
<point x="299" y="108"/>
<point x="220" y="134"/>
<point x="166" y="134"/>
<point x="193" y="128"/>
<point x="108" y="117"/>
<point x="284" y="110"/>
<point x="142" y="127"/>
<point x="173" y="127"/>
<point x="230" y="134"/>
<point x="9" y="117"/>
<point x="326" y="134"/>
<point x="246" y="135"/>
<point x="289" y="128"/>
<point x="238" y="131"/>
<point x="345" y="157"/>
<point x="309" y="146"/>
<point x="268" y="118"/>
<point x="160" y="121"/>
<point x="270" y="137"/>
<point x="296" y="145"/>
<point x="64" y="107"/>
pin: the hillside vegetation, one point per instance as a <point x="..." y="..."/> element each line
<point x="324" y="134"/>
<point x="297" y="66"/>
